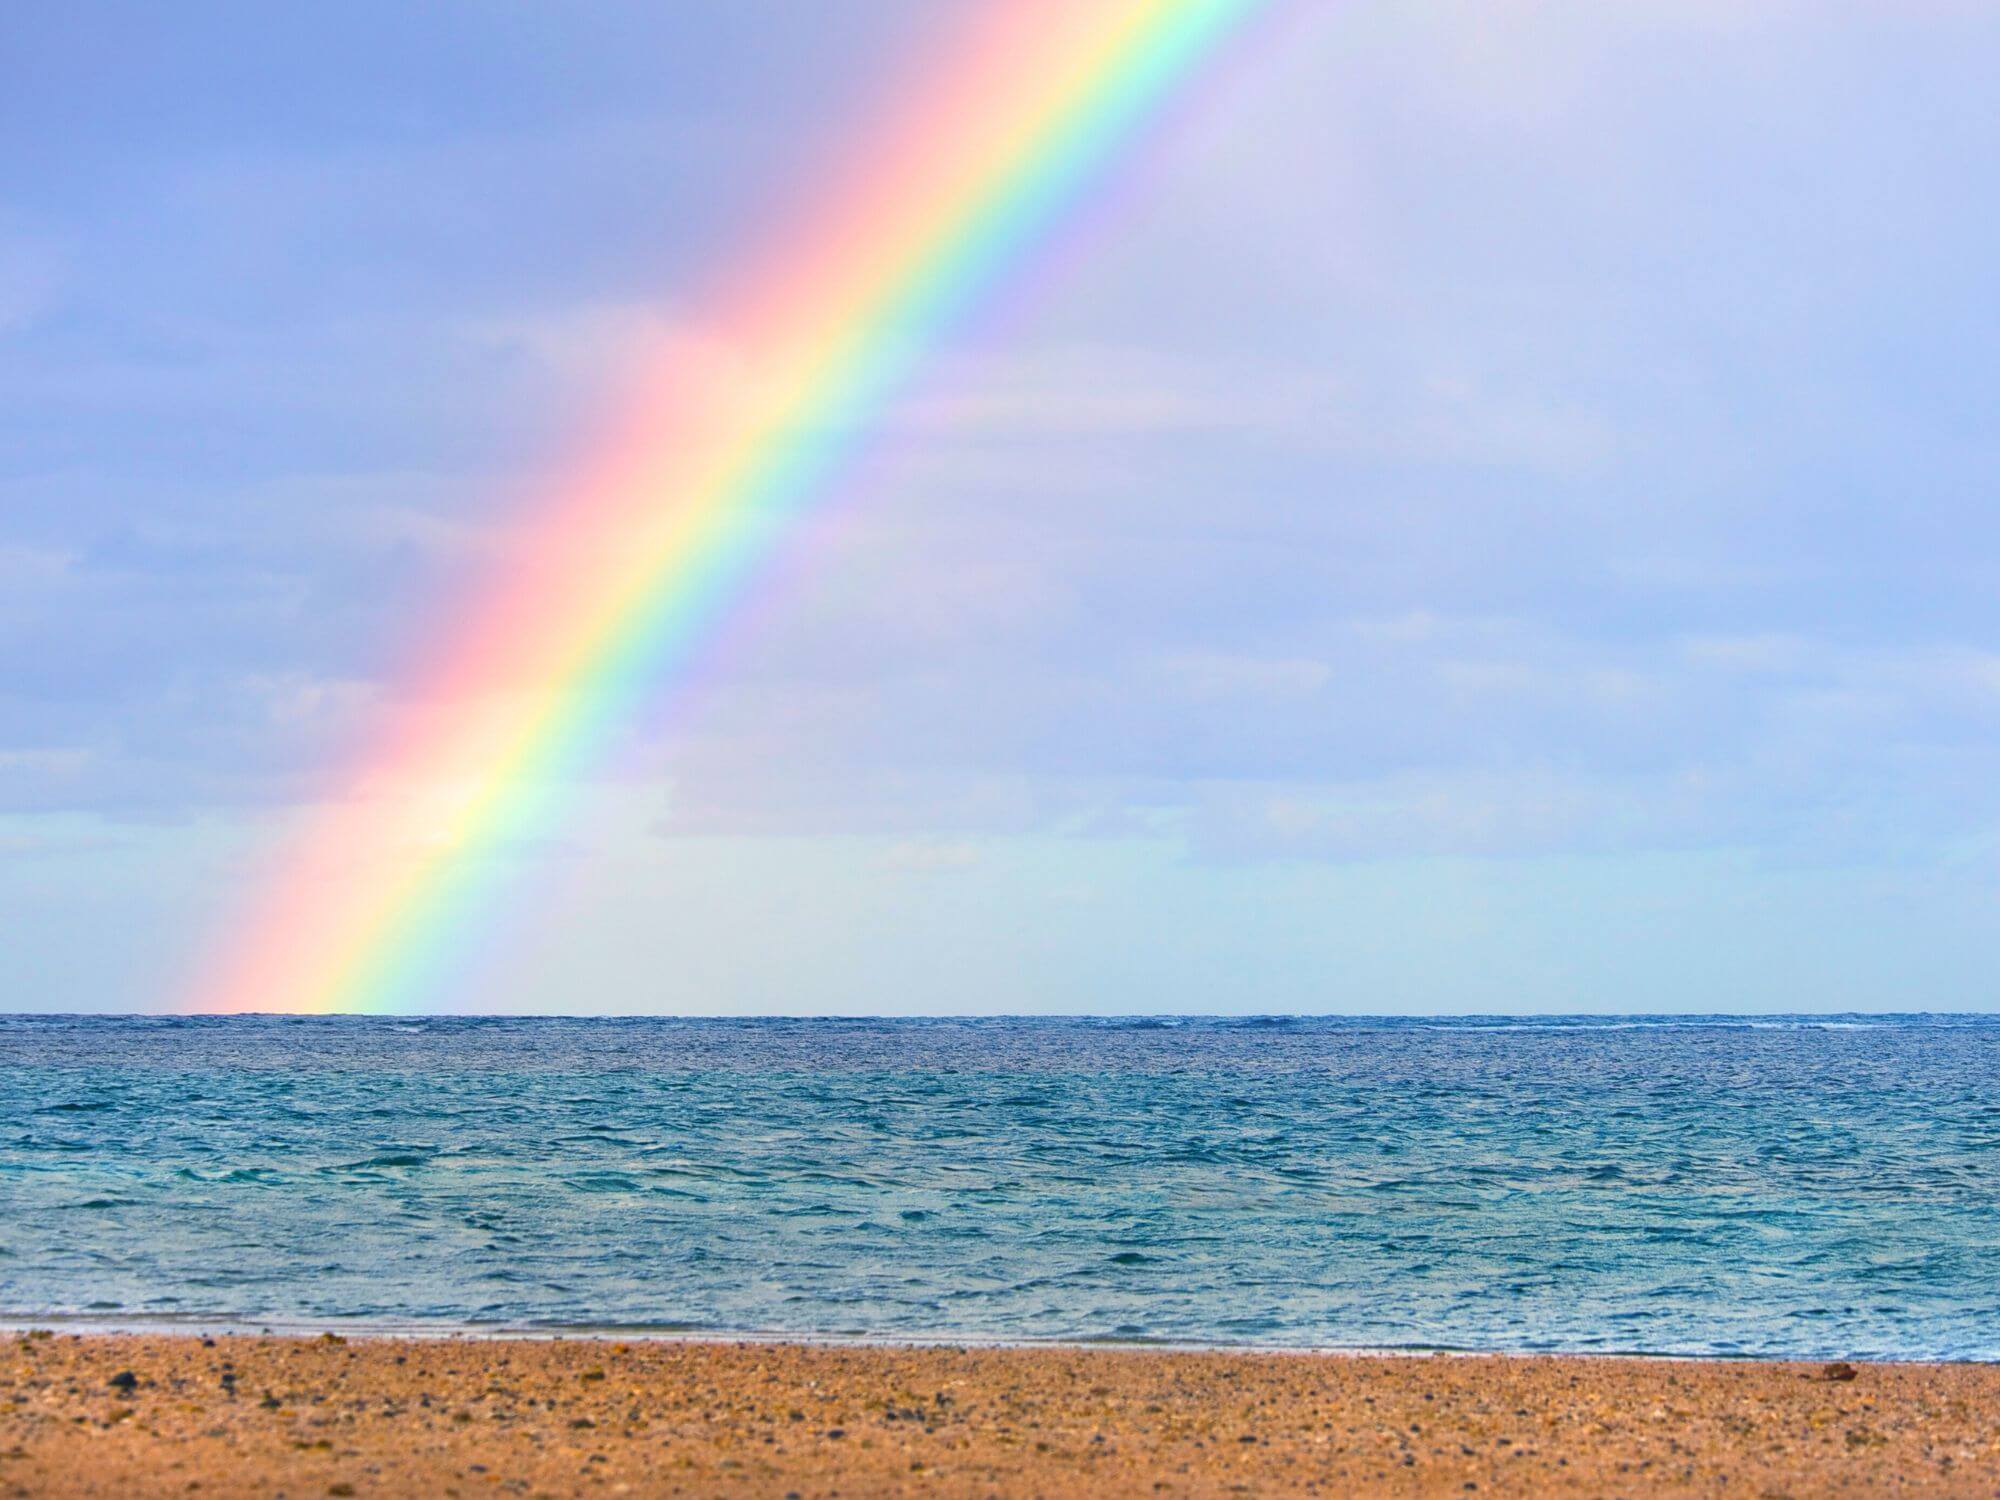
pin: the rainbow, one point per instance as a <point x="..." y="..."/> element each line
<point x="621" y="582"/>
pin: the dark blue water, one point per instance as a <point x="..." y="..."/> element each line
<point x="1802" y="1187"/>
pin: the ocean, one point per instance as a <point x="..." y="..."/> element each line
<point x="1799" y="1186"/>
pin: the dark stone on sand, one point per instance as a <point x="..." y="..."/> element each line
<point x="124" y="1380"/>
<point x="1840" y="1369"/>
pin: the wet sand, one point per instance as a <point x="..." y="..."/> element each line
<point x="156" y="1415"/>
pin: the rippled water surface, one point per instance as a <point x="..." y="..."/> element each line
<point x="1809" y="1187"/>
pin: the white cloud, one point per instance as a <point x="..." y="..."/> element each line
<point x="1467" y="814"/>
<point x="1442" y="414"/>
<point x="32" y="275"/>
<point x="1215" y="674"/>
<point x="28" y="567"/>
<point x="45" y="761"/>
<point x="609" y="345"/>
<point x="314" y="706"/>
<point x="931" y="856"/>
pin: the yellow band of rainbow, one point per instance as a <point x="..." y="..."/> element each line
<point x="623" y="580"/>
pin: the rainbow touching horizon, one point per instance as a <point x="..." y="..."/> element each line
<point x="625" y="577"/>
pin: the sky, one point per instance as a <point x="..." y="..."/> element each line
<point x="1490" y="506"/>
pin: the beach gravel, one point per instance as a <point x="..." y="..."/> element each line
<point x="464" y="1417"/>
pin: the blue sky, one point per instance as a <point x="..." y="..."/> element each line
<point x="1492" y="509"/>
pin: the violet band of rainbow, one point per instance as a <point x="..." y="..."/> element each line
<point x="626" y="579"/>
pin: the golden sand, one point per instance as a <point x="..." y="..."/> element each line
<point x="154" y="1415"/>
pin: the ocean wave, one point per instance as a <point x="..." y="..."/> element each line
<point x="1770" y="1185"/>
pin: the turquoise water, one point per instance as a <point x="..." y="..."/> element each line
<point x="1813" y="1187"/>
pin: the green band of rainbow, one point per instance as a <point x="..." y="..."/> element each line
<point x="623" y="583"/>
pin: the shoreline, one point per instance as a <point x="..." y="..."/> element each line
<point x="159" y="1413"/>
<point x="74" y="1326"/>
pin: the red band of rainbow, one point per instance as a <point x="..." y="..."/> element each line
<point x="630" y="574"/>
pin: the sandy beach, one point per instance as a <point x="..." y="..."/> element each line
<point x="159" y="1415"/>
